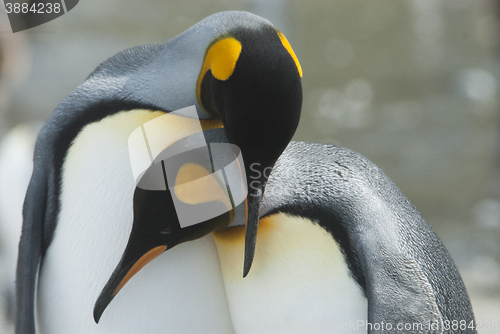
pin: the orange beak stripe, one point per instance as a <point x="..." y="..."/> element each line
<point x="145" y="259"/>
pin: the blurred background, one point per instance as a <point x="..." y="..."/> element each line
<point x="412" y="85"/>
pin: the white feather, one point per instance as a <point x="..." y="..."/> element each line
<point x="299" y="281"/>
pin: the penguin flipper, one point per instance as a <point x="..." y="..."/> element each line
<point x="399" y="292"/>
<point x="30" y="251"/>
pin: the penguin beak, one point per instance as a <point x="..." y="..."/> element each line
<point x="129" y="265"/>
<point x="146" y="242"/>
<point x="252" y="223"/>
<point x="155" y="229"/>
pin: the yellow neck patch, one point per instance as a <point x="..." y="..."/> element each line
<point x="288" y="47"/>
<point x="221" y="59"/>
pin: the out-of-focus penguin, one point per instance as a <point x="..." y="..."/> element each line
<point x="16" y="166"/>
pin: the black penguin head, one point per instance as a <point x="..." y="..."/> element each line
<point x="255" y="89"/>
<point x="250" y="79"/>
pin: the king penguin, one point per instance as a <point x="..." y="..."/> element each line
<point x="326" y="241"/>
<point x="241" y="75"/>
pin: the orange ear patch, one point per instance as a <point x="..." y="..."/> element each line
<point x="221" y="59"/>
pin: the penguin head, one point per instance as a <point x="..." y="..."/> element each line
<point x="250" y="79"/>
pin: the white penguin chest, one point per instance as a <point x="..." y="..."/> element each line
<point x="299" y="281"/>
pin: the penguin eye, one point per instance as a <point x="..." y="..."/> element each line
<point x="167" y="230"/>
<point x="288" y="47"/>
